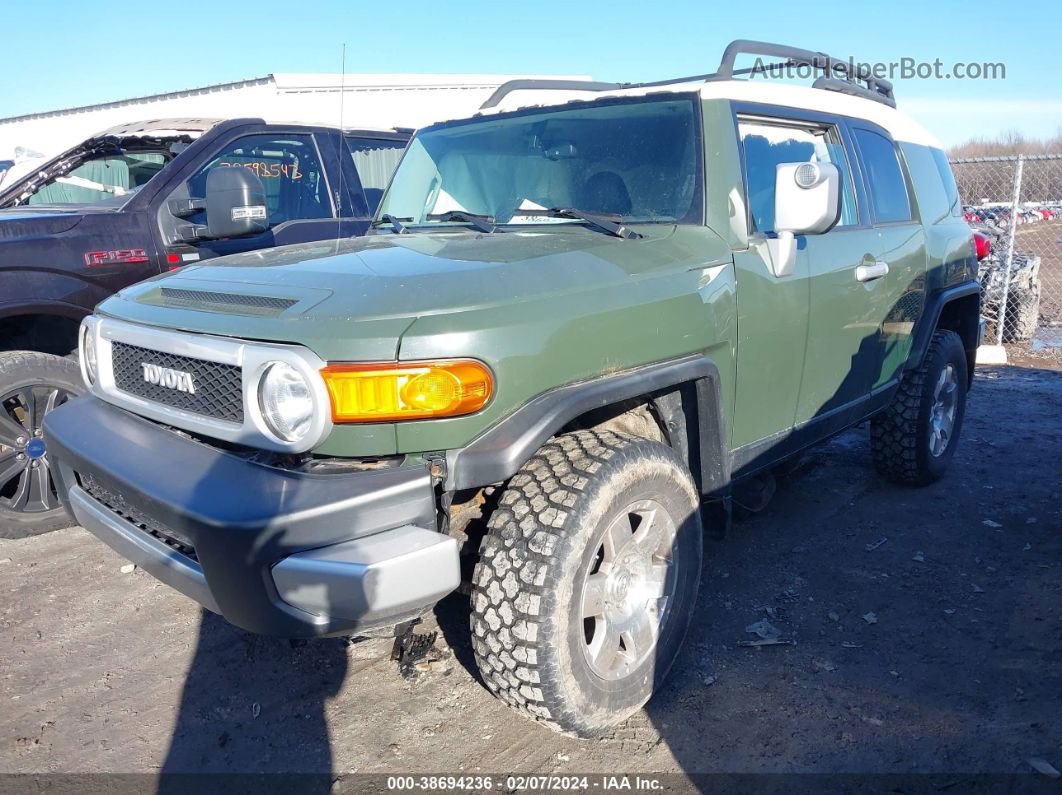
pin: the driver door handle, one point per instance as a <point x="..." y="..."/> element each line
<point x="868" y="273"/>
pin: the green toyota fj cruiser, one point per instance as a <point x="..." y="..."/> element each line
<point x="576" y="328"/>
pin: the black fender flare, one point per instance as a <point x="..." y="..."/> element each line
<point x="689" y="385"/>
<point x="935" y="304"/>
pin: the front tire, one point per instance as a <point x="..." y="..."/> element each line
<point x="31" y="385"/>
<point x="915" y="437"/>
<point x="587" y="579"/>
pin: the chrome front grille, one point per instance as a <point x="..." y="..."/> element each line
<point x="217" y="389"/>
<point x="201" y="383"/>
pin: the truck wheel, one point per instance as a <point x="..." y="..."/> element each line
<point x="1023" y="313"/>
<point x="587" y="579"/>
<point x="915" y="437"/>
<point x="31" y="385"/>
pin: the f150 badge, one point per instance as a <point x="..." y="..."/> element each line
<point x="115" y="256"/>
<point x="171" y="379"/>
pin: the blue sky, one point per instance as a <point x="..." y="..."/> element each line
<point x="60" y="53"/>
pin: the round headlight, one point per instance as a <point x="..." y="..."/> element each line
<point x="286" y="401"/>
<point x="88" y="355"/>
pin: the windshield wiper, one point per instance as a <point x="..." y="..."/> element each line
<point x="612" y="224"/>
<point x="396" y="223"/>
<point x="484" y="223"/>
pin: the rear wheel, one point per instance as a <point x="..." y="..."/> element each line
<point x="914" y="439"/>
<point x="31" y="385"/>
<point x="587" y="579"/>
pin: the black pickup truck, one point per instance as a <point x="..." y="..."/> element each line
<point x="130" y="203"/>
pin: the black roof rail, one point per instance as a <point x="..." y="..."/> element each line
<point x="838" y="75"/>
<point x="531" y="83"/>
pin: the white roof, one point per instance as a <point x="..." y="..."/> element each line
<point x="901" y="126"/>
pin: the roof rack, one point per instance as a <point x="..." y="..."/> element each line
<point x="839" y="75"/>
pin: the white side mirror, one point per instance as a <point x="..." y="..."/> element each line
<point x="807" y="201"/>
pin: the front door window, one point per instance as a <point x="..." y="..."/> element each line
<point x="290" y="171"/>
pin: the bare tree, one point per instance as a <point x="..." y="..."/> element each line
<point x="1008" y="143"/>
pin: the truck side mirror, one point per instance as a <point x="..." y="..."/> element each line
<point x="807" y="201"/>
<point x="235" y="203"/>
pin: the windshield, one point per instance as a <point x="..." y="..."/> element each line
<point x="636" y="160"/>
<point x="103" y="178"/>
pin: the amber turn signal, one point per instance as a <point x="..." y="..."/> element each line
<point x="388" y="391"/>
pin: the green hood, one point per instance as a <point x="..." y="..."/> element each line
<point x="354" y="298"/>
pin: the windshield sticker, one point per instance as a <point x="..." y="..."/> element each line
<point x="527" y="204"/>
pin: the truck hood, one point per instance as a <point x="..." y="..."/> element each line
<point x="21" y="222"/>
<point x="312" y="293"/>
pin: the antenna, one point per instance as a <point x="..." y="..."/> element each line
<point x="342" y="145"/>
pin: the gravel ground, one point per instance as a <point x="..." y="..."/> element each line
<point x="927" y="624"/>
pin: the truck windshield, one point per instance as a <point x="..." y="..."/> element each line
<point x="638" y="161"/>
<point x="101" y="178"/>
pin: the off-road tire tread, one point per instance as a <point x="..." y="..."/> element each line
<point x="894" y="432"/>
<point x="10" y="359"/>
<point x="1023" y="313"/>
<point x="517" y="572"/>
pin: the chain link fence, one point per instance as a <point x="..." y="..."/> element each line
<point x="1017" y="202"/>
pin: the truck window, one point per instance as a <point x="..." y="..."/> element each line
<point x="638" y="159"/>
<point x="290" y="171"/>
<point x="101" y="178"/>
<point x="888" y="188"/>
<point x="766" y="144"/>
<point x="376" y="160"/>
<point x="948" y="180"/>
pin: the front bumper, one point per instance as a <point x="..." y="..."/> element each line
<point x="274" y="551"/>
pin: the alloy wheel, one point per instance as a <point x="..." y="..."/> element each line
<point x="942" y="413"/>
<point x="26" y="482"/>
<point x="627" y="589"/>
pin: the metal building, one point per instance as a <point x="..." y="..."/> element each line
<point x="388" y="100"/>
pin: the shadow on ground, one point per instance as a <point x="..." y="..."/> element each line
<point x="256" y="704"/>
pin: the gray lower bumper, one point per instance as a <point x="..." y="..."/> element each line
<point x="377" y="580"/>
<point x="395" y="573"/>
<point x="275" y="551"/>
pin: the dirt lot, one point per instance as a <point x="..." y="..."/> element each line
<point x="1045" y="241"/>
<point x="928" y="629"/>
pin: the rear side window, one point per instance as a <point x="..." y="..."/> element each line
<point x="102" y="178"/>
<point x="947" y="178"/>
<point x="888" y="189"/>
<point x="768" y="144"/>
<point x="375" y="159"/>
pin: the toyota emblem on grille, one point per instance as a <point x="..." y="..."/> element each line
<point x="169" y="378"/>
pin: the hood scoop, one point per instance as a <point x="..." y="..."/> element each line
<point x="180" y="290"/>
<point x="217" y="301"/>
